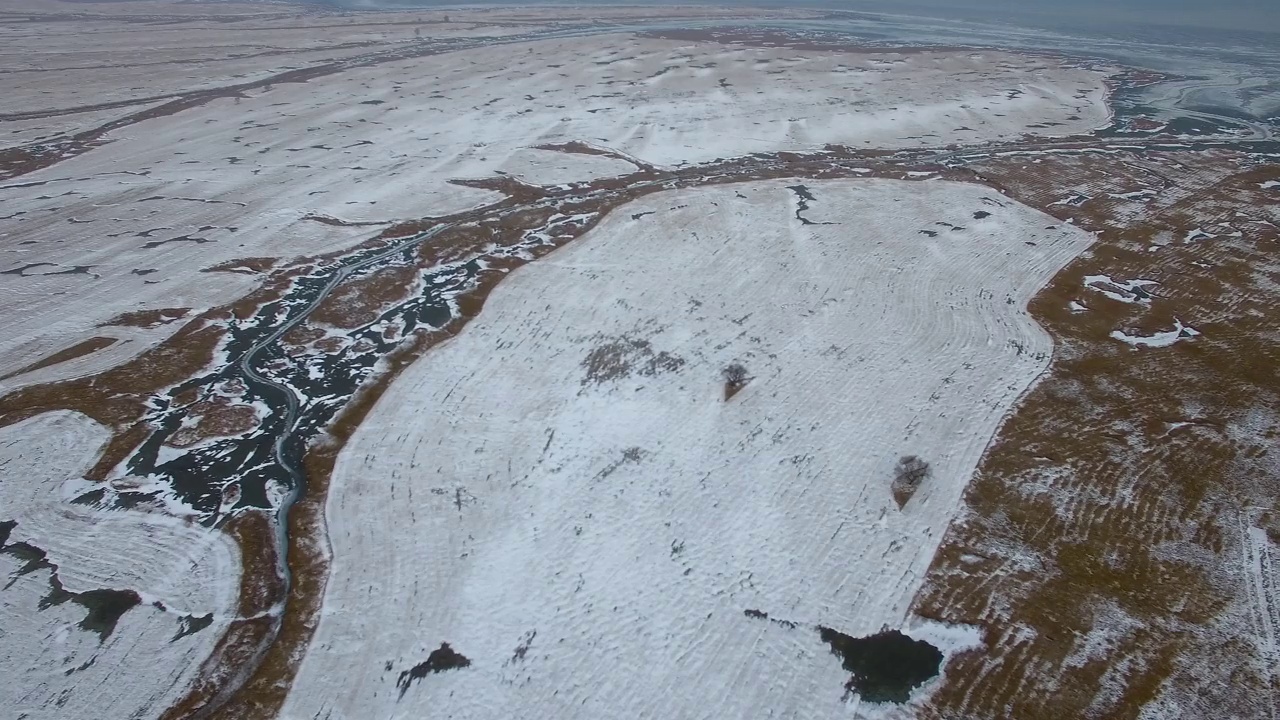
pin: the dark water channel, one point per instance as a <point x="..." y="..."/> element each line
<point x="302" y="394"/>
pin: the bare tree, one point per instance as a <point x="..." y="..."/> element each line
<point x="910" y="472"/>
<point x="735" y="377"/>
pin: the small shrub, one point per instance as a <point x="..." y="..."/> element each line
<point x="910" y="472"/>
<point x="735" y="374"/>
<point x="735" y="377"/>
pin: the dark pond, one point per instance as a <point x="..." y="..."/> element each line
<point x="885" y="667"/>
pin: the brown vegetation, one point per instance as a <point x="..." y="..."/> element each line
<point x="1097" y="520"/>
<point x="215" y="417"/>
<point x="359" y="300"/>
<point x="338" y="222"/>
<point x="116" y="397"/>
<point x="80" y="349"/>
<point x="733" y="35"/>
<point x="261" y="591"/>
<point x="148" y="318"/>
<point x="574" y="147"/>
<point x="244" y="266"/>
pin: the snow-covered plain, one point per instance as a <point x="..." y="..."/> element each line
<point x="133" y="223"/>
<point x="52" y="667"/>
<point x="564" y="496"/>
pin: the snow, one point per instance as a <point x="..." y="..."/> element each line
<point x="235" y="178"/>
<point x="1147" y="194"/>
<point x="1125" y="291"/>
<point x="54" y="64"/>
<point x="616" y="522"/>
<point x="1160" y="339"/>
<point x="1075" y="200"/>
<point x="1270" y="184"/>
<point x="1259" y="570"/>
<point x="549" y="167"/>
<point x="52" y="668"/>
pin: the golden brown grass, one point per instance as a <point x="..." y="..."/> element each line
<point x="215" y="417"/>
<point x="358" y="301"/>
<point x="148" y="318"/>
<point x="1092" y="517"/>
<point x="80" y="349"/>
<point x="116" y="397"/>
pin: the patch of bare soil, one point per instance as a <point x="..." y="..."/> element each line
<point x="735" y="378"/>
<point x="338" y="222"/>
<point x="245" y="266"/>
<point x="574" y="148"/>
<point x="148" y="318"/>
<point x="80" y="349"/>
<point x="908" y="475"/>
<point x="1106" y="547"/>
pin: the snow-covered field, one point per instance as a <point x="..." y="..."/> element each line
<point x="56" y="658"/>
<point x="168" y="197"/>
<point x="564" y="496"/>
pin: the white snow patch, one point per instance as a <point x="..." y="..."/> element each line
<point x="1125" y="291"/>
<point x="1147" y="194"/>
<point x="617" y="530"/>
<point x="376" y="144"/>
<point x="52" y="668"/>
<point x="1160" y="339"/>
<point x="1074" y="200"/>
